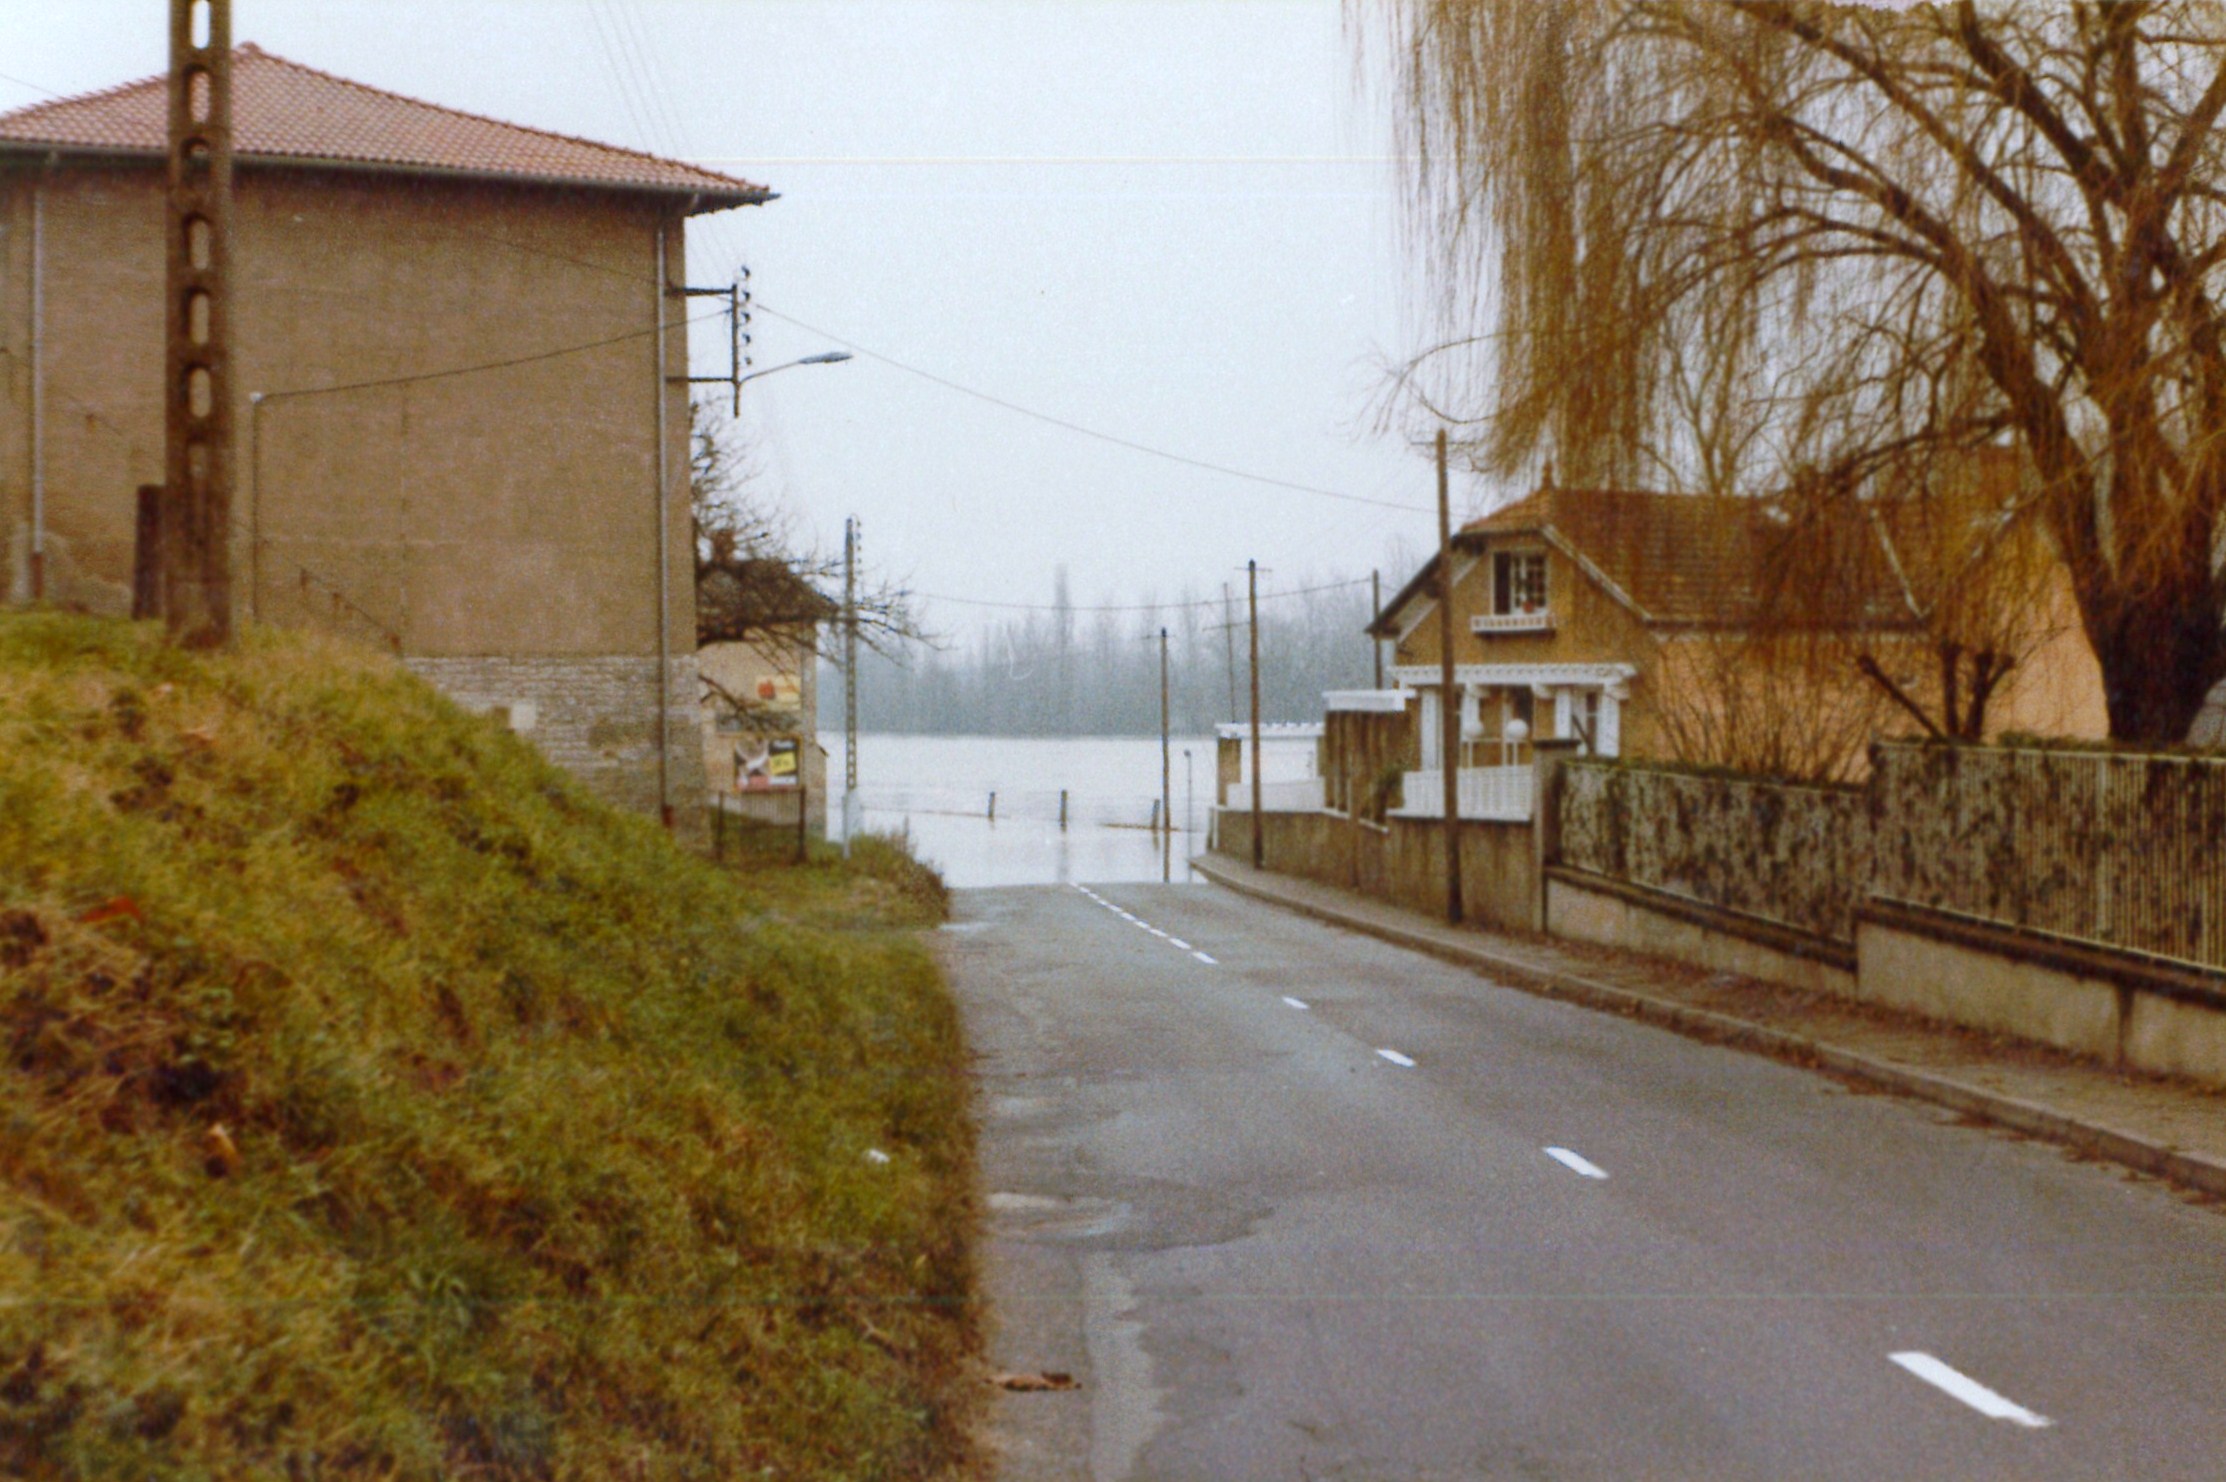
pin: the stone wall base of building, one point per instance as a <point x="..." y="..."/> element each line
<point x="593" y="715"/>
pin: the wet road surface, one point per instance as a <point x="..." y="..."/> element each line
<point x="1296" y="1203"/>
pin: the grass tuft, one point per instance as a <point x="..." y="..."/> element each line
<point x="378" y="1104"/>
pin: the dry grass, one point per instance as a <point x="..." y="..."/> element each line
<point x="378" y="1105"/>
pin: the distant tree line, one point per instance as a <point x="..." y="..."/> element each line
<point x="1068" y="670"/>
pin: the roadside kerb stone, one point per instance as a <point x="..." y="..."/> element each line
<point x="2031" y="1118"/>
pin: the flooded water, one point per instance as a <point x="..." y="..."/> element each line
<point x="939" y="789"/>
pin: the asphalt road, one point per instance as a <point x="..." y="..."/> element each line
<point x="1294" y="1203"/>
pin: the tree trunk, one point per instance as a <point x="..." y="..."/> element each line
<point x="2160" y="654"/>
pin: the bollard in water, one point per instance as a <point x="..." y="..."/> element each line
<point x="1062" y="810"/>
<point x="993" y="807"/>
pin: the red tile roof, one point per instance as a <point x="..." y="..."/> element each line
<point x="1689" y="559"/>
<point x="285" y="112"/>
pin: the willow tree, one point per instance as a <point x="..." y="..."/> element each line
<point x="1746" y="247"/>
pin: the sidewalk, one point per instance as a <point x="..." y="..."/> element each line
<point x="2172" y="1129"/>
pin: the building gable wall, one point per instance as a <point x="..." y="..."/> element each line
<point x="505" y="515"/>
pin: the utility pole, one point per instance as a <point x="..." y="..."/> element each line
<point x="1449" y="713"/>
<point x="849" y="680"/>
<point x="1252" y="600"/>
<point x="194" y="529"/>
<point x="664" y="538"/>
<point x="1166" y="765"/>
<point x="1375" y="611"/>
<point x="1229" y="641"/>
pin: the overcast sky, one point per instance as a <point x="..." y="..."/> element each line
<point x="1168" y="220"/>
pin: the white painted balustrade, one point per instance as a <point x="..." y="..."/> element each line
<point x="1499" y="793"/>
<point x="1285" y="795"/>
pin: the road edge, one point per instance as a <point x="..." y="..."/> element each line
<point x="2030" y="1118"/>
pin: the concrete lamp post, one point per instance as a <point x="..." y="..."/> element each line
<point x="850" y="728"/>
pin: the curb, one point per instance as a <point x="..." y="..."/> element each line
<point x="2030" y="1118"/>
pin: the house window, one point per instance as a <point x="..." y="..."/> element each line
<point x="1518" y="582"/>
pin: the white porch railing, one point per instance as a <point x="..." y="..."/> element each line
<point x="1294" y="795"/>
<point x="1501" y="793"/>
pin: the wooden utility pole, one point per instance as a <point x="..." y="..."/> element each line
<point x="195" y="528"/>
<point x="1229" y="642"/>
<point x="850" y="681"/>
<point x="1375" y="610"/>
<point x="1166" y="766"/>
<point x="1252" y="602"/>
<point x="1449" y="711"/>
<point x="1166" y="773"/>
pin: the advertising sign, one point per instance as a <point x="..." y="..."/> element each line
<point x="762" y="762"/>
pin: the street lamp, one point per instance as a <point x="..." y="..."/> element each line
<point x="829" y="357"/>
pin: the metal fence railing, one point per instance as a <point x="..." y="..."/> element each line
<point x="2115" y="850"/>
<point x="1793" y="854"/>
<point x="1071" y="808"/>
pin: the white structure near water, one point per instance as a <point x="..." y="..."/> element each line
<point x="1289" y="766"/>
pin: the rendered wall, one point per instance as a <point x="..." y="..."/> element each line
<point x="487" y="518"/>
<point x="1402" y="861"/>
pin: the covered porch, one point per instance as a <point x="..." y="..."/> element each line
<point x="1502" y="709"/>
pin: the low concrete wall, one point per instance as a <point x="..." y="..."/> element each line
<point x="1402" y="860"/>
<point x="2108" y="1005"/>
<point x="1634" y="919"/>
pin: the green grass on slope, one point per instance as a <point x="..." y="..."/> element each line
<point x="378" y="1105"/>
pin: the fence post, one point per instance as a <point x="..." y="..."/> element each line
<point x="993" y="807"/>
<point x="803" y="817"/>
<point x="1546" y="759"/>
<point x="1062" y="810"/>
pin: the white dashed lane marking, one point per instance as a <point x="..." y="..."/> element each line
<point x="1968" y="1390"/>
<point x="1576" y="1163"/>
<point x="1394" y="1057"/>
<point x="1142" y="925"/>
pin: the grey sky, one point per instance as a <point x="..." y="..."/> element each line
<point x="1170" y="220"/>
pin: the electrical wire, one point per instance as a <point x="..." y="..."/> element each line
<point x="1202" y="602"/>
<point x="1091" y="432"/>
<point x="492" y="365"/>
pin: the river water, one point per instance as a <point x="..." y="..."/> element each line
<point x="938" y="788"/>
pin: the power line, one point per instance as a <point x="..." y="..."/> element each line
<point x="469" y="370"/>
<point x="1091" y="432"/>
<point x="1335" y="586"/>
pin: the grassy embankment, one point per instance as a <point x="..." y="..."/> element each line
<point x="376" y="1104"/>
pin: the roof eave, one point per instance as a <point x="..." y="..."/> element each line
<point x="702" y="199"/>
<point x="1386" y="623"/>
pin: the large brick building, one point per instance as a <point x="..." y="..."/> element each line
<point x="444" y="337"/>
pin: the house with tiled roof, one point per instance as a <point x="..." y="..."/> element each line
<point x="453" y="364"/>
<point x="1607" y="617"/>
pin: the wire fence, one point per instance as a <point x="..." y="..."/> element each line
<point x="1068" y="807"/>
<point x="2102" y="848"/>
<point x="1796" y="855"/>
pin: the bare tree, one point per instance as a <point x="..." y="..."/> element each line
<point x="756" y="582"/>
<point x="1857" y="242"/>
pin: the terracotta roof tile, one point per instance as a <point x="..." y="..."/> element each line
<point x="1688" y="558"/>
<point x="283" y="111"/>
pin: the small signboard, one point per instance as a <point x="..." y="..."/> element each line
<point x="764" y="762"/>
